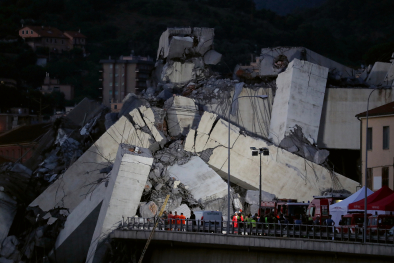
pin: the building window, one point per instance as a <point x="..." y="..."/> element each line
<point x="110" y="84"/>
<point x="386" y="137"/>
<point x="31" y="31"/>
<point x="369" y="139"/>
<point x="117" y="66"/>
<point x="110" y="75"/>
<point x="369" y="178"/>
<point x="55" y="40"/>
<point x="47" y="39"/>
<point x="385" y="176"/>
<point x="116" y="93"/>
<point x="110" y="66"/>
<point x="110" y="92"/>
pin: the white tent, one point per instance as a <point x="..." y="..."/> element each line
<point x="341" y="208"/>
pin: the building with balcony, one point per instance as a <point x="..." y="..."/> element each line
<point x="380" y="146"/>
<point x="128" y="74"/>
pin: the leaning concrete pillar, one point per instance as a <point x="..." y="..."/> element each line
<point x="298" y="100"/>
<point x="123" y="194"/>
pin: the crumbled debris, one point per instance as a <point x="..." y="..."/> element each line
<point x="298" y="144"/>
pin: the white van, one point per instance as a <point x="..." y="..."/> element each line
<point x="204" y="217"/>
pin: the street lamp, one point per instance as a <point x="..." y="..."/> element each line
<point x="228" y="174"/>
<point x="366" y="172"/>
<point x="255" y="152"/>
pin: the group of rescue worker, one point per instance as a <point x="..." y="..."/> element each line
<point x="175" y="219"/>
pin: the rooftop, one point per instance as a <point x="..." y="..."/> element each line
<point x="386" y="109"/>
<point x="74" y="34"/>
<point x="24" y="134"/>
<point x="46" y="31"/>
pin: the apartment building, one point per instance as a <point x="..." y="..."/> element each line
<point x="380" y="146"/>
<point x="128" y="74"/>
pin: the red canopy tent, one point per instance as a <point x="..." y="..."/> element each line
<point x="375" y="197"/>
<point x="385" y="204"/>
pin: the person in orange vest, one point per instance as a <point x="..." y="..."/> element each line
<point x="182" y="217"/>
<point x="170" y="220"/>
<point x="178" y="222"/>
<point x="235" y="222"/>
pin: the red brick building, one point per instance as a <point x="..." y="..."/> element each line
<point x="21" y="142"/>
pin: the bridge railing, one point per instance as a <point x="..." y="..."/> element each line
<point x="340" y="233"/>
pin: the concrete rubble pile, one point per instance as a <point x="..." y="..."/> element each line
<point x="306" y="177"/>
<point x="172" y="139"/>
<point x="183" y="56"/>
<point x="14" y="192"/>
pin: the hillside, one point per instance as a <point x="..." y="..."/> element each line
<point x="285" y="7"/>
<point x="349" y="31"/>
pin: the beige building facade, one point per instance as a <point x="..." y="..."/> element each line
<point x="52" y="38"/>
<point x="380" y="146"/>
<point x="124" y="75"/>
<point x="51" y="85"/>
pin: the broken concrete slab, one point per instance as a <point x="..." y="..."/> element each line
<point x="205" y="39"/>
<point x="269" y="58"/>
<point x="220" y="129"/>
<point x="177" y="72"/>
<point x="148" y="210"/>
<point x="190" y="141"/>
<point x="182" y="115"/>
<point x="122" y="197"/>
<point x="252" y="197"/>
<point x="202" y="181"/>
<point x="207" y="122"/>
<point x="252" y="114"/>
<point x="378" y="73"/>
<point x="339" y="108"/>
<point x="74" y="183"/>
<point x="84" y="111"/>
<point x="122" y="187"/>
<point x="389" y="79"/>
<point x="179" y="46"/>
<point x="212" y="57"/>
<point x="298" y="100"/>
<point x="165" y="39"/>
<point x="280" y="168"/>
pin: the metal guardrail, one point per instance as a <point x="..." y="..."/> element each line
<point x="318" y="232"/>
